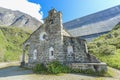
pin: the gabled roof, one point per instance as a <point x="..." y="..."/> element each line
<point x="32" y="34"/>
<point x="64" y="32"/>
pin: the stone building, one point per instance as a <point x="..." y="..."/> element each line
<point x="52" y="42"/>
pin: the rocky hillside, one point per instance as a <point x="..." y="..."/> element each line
<point x="93" y="25"/>
<point x="11" y="39"/>
<point x="107" y="47"/>
<point x="17" y="18"/>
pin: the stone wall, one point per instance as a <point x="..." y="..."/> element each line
<point x="79" y="52"/>
<point x="53" y="30"/>
<point x="51" y="42"/>
<point x="89" y="66"/>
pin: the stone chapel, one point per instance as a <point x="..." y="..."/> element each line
<point x="52" y="42"/>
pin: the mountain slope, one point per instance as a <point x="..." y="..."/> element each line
<point x="11" y="39"/>
<point x="107" y="47"/>
<point x="93" y="25"/>
<point x="17" y="18"/>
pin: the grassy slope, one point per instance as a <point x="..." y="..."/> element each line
<point x="107" y="47"/>
<point x="10" y="43"/>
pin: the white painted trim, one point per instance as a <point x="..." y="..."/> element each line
<point x="35" y="54"/>
<point x="51" y="55"/>
<point x="69" y="49"/>
<point x="41" y="36"/>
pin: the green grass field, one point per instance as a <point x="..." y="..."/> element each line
<point x="11" y="40"/>
<point x="107" y="47"/>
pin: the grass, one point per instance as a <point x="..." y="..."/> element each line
<point x="55" y="68"/>
<point x="11" y="39"/>
<point x="8" y="64"/>
<point x="111" y="60"/>
<point x="108" y="73"/>
<point x="107" y="48"/>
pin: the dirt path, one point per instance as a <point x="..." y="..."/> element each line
<point x="11" y="71"/>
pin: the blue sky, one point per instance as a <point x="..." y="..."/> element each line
<point x="73" y="9"/>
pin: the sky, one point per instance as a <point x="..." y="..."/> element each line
<point x="30" y="8"/>
<point x="71" y="9"/>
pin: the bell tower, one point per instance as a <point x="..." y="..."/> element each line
<point x="53" y="27"/>
<point x="53" y="17"/>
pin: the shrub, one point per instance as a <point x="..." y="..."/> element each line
<point x="116" y="34"/>
<point x="92" y="45"/>
<point x="108" y="36"/>
<point x="104" y="49"/>
<point x="39" y="68"/>
<point x="55" y="67"/>
<point x="107" y="49"/>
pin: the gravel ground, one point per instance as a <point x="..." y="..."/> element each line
<point x="11" y="71"/>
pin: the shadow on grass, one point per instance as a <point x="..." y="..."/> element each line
<point x="109" y="73"/>
<point x="13" y="71"/>
<point x="17" y="71"/>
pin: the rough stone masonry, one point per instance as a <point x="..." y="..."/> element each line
<point x="52" y="42"/>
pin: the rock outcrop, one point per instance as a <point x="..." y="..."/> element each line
<point x="17" y="19"/>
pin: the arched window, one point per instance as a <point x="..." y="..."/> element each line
<point x="43" y="36"/>
<point x="69" y="49"/>
<point x="35" y="54"/>
<point x="51" y="53"/>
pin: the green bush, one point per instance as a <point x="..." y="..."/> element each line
<point x="55" y="67"/>
<point x="92" y="45"/>
<point x="109" y="36"/>
<point x="103" y="50"/>
<point x="39" y="68"/>
<point x="107" y="49"/>
<point x="116" y="34"/>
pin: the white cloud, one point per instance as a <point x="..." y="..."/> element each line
<point x="23" y="6"/>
